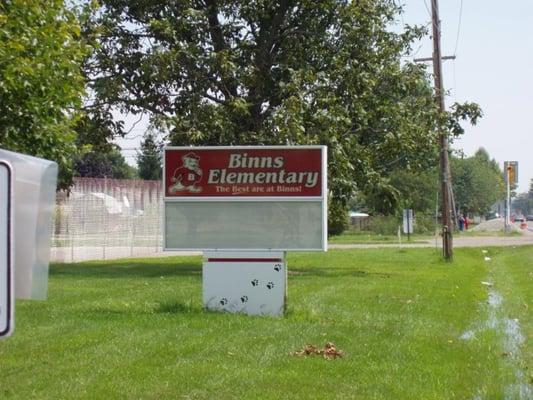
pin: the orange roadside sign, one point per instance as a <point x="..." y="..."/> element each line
<point x="511" y="172"/>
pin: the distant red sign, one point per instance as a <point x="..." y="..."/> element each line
<point x="243" y="171"/>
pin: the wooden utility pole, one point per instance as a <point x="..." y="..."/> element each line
<point x="445" y="176"/>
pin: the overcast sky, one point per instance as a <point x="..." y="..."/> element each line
<point x="493" y="42"/>
<point x="493" y="68"/>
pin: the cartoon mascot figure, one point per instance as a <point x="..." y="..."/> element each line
<point x="188" y="175"/>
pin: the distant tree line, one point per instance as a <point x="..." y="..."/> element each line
<point x="523" y="202"/>
<point x="477" y="183"/>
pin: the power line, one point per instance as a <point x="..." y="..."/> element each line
<point x="427" y="8"/>
<point x="455" y="49"/>
<point x="454" y="85"/>
<point x="458" y="27"/>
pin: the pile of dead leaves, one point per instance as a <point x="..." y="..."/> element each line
<point x="329" y="352"/>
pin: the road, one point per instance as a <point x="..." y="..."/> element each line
<point x="86" y="253"/>
<point x="458" y="241"/>
<point x="76" y="254"/>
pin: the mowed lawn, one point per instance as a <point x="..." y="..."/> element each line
<point x="372" y="238"/>
<point x="410" y="325"/>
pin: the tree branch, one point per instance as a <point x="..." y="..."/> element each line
<point x="219" y="44"/>
<point x="268" y="41"/>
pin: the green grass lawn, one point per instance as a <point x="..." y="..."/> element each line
<point x="135" y="329"/>
<point x="356" y="237"/>
<point x="489" y="233"/>
<point x="361" y="237"/>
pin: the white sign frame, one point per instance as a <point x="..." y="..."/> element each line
<point x="320" y="199"/>
<point x="7" y="309"/>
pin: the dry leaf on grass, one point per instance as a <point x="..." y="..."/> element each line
<point x="329" y="351"/>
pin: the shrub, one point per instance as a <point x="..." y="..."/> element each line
<point x="337" y="218"/>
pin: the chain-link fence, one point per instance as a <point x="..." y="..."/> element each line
<point x="107" y="218"/>
<point x="110" y="218"/>
<point x="424" y="224"/>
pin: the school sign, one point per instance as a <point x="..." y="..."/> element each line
<point x="244" y="207"/>
<point x="243" y="198"/>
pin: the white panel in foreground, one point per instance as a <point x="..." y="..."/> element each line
<point x="34" y="190"/>
<point x="278" y="225"/>
<point x="246" y="285"/>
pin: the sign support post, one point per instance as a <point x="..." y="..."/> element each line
<point x="408" y="222"/>
<point x="510" y="171"/>
<point x="508" y="201"/>
<point x="253" y="283"/>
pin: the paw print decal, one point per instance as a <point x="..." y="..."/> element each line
<point x="255" y="282"/>
<point x="223" y="301"/>
<point x="277" y="267"/>
<point x="244" y="299"/>
<point x="270" y="285"/>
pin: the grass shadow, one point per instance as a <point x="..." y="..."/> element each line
<point x="163" y="307"/>
<point x="336" y="273"/>
<point x="147" y="268"/>
<point x="177" y="307"/>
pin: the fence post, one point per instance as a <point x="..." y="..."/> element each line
<point x="131" y="215"/>
<point x="159" y="218"/>
<point x="105" y="218"/>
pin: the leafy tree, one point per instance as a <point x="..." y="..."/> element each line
<point x="149" y="160"/>
<point x="529" y="195"/>
<point x="95" y="130"/>
<point x="523" y="202"/>
<point x="218" y="72"/>
<point x="337" y="219"/>
<point x="406" y="188"/>
<point x="41" y="82"/>
<point x="418" y="190"/>
<point x="477" y="182"/>
<point x="96" y="164"/>
<point x="248" y="72"/>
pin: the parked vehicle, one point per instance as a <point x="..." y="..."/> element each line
<point x="518" y="219"/>
<point x="492" y="215"/>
